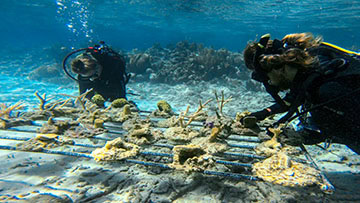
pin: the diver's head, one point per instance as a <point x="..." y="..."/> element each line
<point x="277" y="62"/>
<point x="86" y="66"/>
<point x="249" y="54"/>
<point x="254" y="51"/>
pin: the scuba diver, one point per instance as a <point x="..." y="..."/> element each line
<point x="321" y="78"/>
<point x="99" y="68"/>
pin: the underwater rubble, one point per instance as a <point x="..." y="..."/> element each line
<point x="120" y="153"/>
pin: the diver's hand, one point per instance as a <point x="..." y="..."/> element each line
<point x="261" y="115"/>
<point x="251" y="120"/>
<point x="248" y="121"/>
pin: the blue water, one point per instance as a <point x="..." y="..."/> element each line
<point x="35" y="33"/>
<point x="129" y="24"/>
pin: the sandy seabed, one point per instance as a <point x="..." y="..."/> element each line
<point x="39" y="177"/>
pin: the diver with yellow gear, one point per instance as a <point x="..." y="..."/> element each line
<point x="323" y="79"/>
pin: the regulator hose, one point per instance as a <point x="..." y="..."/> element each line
<point x="65" y="60"/>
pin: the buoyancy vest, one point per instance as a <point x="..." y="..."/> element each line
<point x="335" y="64"/>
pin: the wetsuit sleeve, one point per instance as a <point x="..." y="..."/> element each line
<point x="273" y="109"/>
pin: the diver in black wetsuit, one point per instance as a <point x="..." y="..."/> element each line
<point x="322" y="78"/>
<point x="103" y="70"/>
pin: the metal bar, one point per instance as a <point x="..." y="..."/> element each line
<point x="148" y="163"/>
<point x="156" y="154"/>
<point x="163" y="145"/>
<point x="27" y="139"/>
<point x="14" y="138"/>
<point x="244" y="139"/>
<point x="67" y="153"/>
<point x="328" y="187"/>
<point x="87" y="145"/>
<point x="247" y="135"/>
<point x="233" y="163"/>
<point x="225" y="174"/>
<point x="22" y="129"/>
<point x="217" y="161"/>
<point x="243" y="155"/>
<point x="73" y="154"/>
<point x="231" y="175"/>
<point x="116" y="132"/>
<point x="242" y="146"/>
<point x="34" y="131"/>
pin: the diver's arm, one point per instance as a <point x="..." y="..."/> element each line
<point x="273" y="109"/>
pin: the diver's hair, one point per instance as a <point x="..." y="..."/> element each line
<point x="297" y="56"/>
<point x="302" y="40"/>
<point x="294" y="57"/>
<point x="83" y="64"/>
<point x="249" y="54"/>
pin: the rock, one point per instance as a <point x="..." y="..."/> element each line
<point x="162" y="187"/>
<point x="50" y="73"/>
<point x="139" y="63"/>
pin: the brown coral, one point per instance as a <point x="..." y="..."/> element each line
<point x="116" y="150"/>
<point x="191" y="158"/>
<point x="272" y="146"/>
<point x="180" y="135"/>
<point x="42" y="141"/>
<point x="280" y="169"/>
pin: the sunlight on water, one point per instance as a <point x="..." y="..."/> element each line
<point x="75" y="15"/>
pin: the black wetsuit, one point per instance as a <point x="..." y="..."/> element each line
<point x="112" y="80"/>
<point x="338" y="121"/>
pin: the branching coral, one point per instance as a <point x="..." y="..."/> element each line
<point x="272" y="146"/>
<point x="8" y="120"/>
<point x="5" y="110"/>
<point x="221" y="102"/>
<point x="51" y="106"/>
<point x="81" y="98"/>
<point x="191" y="118"/>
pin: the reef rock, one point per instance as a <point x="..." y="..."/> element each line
<point x="139" y="63"/>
